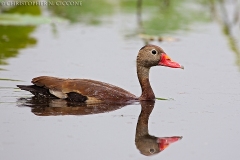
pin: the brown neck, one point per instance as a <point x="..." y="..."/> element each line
<point x="143" y="77"/>
<point x="142" y="125"/>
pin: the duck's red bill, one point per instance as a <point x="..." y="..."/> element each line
<point x="164" y="142"/>
<point x="167" y="62"/>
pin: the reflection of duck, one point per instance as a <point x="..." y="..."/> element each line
<point x="91" y="91"/>
<point x="148" y="144"/>
<point x="56" y="107"/>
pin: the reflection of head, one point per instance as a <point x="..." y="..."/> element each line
<point x="147" y="144"/>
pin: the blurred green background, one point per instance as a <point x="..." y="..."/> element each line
<point x="155" y="18"/>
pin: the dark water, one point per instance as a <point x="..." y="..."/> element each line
<point x="203" y="106"/>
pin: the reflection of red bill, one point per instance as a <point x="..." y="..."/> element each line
<point x="164" y="142"/>
<point x="167" y="62"/>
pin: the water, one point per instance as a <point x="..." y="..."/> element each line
<point x="203" y="106"/>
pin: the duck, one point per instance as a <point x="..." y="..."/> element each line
<point x="92" y="91"/>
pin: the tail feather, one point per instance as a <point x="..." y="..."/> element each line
<point x="37" y="91"/>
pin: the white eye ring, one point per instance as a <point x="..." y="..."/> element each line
<point x="151" y="150"/>
<point x="154" y="51"/>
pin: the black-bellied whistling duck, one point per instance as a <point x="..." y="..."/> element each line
<point x="91" y="91"/>
<point x="147" y="144"/>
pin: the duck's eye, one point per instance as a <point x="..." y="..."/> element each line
<point x="154" y="51"/>
<point x="152" y="150"/>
